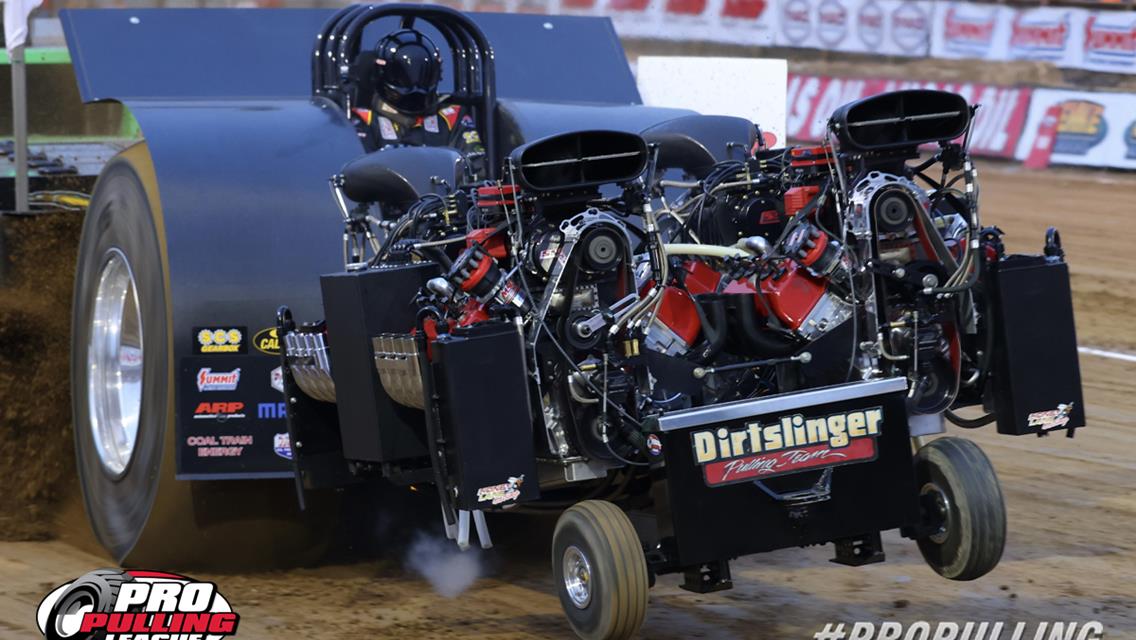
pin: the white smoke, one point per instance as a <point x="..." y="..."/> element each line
<point x="448" y="569"/>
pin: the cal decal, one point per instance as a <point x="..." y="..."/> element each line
<point x="788" y="444"/>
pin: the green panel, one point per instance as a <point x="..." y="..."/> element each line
<point x="40" y="55"/>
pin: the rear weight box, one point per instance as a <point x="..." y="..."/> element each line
<point x="358" y="306"/>
<point x="480" y="377"/>
<point x="1035" y="381"/>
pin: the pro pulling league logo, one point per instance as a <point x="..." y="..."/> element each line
<point x="112" y="604"/>
<point x="789" y="444"/>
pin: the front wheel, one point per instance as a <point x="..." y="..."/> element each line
<point x="600" y="571"/>
<point x="963" y="508"/>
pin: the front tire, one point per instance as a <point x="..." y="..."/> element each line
<point x="963" y="507"/>
<point x="600" y="571"/>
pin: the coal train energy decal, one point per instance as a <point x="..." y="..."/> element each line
<point x="787" y="445"/>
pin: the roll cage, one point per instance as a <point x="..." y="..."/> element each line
<point x="338" y="45"/>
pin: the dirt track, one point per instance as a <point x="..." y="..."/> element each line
<point x="1071" y="553"/>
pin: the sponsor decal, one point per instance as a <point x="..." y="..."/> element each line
<point x="870" y="25"/>
<point x="832" y="23"/>
<point x="969" y="29"/>
<point x="271" y="410"/>
<point x="1048" y="420"/>
<point x="266" y="341"/>
<point x="214" y="340"/>
<point x="1039" y="36"/>
<point x="911" y="28"/>
<point x="209" y="380"/>
<point x="501" y="493"/>
<point x="1111" y="40"/>
<point x="277" y="379"/>
<point x="654" y="445"/>
<point x="219" y="411"/>
<point x="796" y="20"/>
<point x="230" y="446"/>
<point x="1080" y="128"/>
<point x="282" y="445"/>
<point x="112" y="604"/>
<point x="785" y="445"/>
<point x="1130" y="141"/>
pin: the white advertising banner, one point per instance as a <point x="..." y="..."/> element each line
<point x="749" y="88"/>
<point x="885" y="27"/>
<point x="1047" y="34"/>
<point x="1109" y="42"/>
<point x="969" y="30"/>
<point x="747" y="22"/>
<point x="1092" y="129"/>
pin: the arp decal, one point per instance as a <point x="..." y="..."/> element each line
<point x="217" y="340"/>
<point x="209" y="380"/>
<point x="219" y="411"/>
<point x="113" y="604"/>
<point x="276" y="379"/>
<point x="786" y="445"/>
<point x="266" y="341"/>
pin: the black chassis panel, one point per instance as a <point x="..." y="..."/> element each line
<point x="700" y="524"/>
<point x="1035" y="384"/>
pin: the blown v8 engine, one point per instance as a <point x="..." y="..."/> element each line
<point x="616" y="277"/>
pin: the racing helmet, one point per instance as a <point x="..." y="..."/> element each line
<point x="408" y="67"/>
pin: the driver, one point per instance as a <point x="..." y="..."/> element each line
<point x="406" y="108"/>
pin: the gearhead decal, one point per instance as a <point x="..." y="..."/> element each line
<point x="786" y="445"/>
<point x="112" y="604"/>
<point x="1049" y="420"/>
<point x="500" y="493"/>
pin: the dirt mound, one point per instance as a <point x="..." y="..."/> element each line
<point x="36" y="447"/>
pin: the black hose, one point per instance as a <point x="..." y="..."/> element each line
<point x="713" y="326"/>
<point x="959" y="421"/>
<point x="765" y="343"/>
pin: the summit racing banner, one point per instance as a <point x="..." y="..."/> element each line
<point x="996" y="130"/>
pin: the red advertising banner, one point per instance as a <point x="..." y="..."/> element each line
<point x="995" y="132"/>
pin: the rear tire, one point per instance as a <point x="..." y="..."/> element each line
<point x="600" y="571"/>
<point x="963" y="507"/>
<point x="138" y="510"/>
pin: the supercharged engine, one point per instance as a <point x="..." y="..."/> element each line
<point x="598" y="284"/>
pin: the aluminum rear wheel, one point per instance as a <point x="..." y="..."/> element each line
<point x="114" y="362"/>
